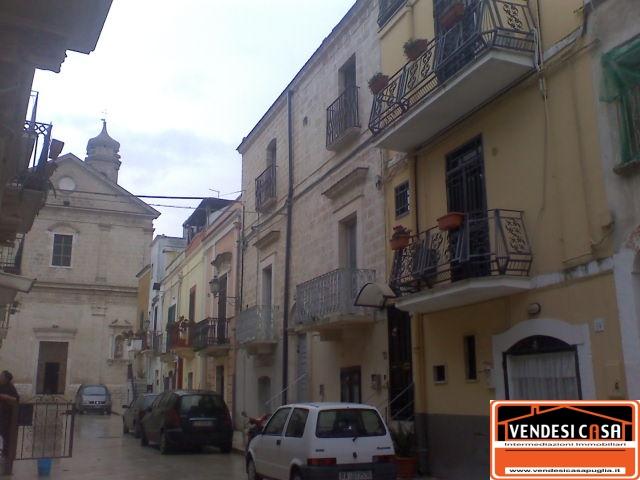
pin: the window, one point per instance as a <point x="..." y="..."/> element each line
<point x="347" y="75"/>
<point x="622" y="85"/>
<point x="220" y="379"/>
<point x="201" y="405"/>
<point x="272" y="152"/>
<point x="297" y="422"/>
<point x="276" y="424"/>
<point x="192" y="304"/>
<point x="402" y="199"/>
<point x="350" y="387"/>
<point x="352" y="422"/>
<point x="118" y="348"/>
<point x="471" y="372"/>
<point x="222" y="298"/>
<point x="439" y="374"/>
<point x="62" y="250"/>
<point x="349" y="243"/>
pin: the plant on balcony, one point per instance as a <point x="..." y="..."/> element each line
<point x="414" y="48"/>
<point x="400" y="237"/>
<point x="404" y="444"/>
<point x="378" y="82"/>
<point x="452" y="15"/>
<point x="451" y="221"/>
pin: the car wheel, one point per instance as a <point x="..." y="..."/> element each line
<point x="164" y="444"/>
<point x="125" y="429"/>
<point x="251" y="471"/>
<point x="143" y="438"/>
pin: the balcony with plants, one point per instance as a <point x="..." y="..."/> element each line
<point x="256" y="329"/>
<point x="480" y="49"/>
<point x="465" y="259"/>
<point x="326" y="303"/>
<point x="179" y="337"/>
<point x="211" y="336"/>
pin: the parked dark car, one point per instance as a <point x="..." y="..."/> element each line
<point x="93" y="398"/>
<point x="187" y="419"/>
<point x="133" y="413"/>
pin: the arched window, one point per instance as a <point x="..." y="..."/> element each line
<point x="542" y="368"/>
<point x="118" y="347"/>
<point x="272" y="153"/>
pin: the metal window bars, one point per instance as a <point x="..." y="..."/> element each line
<point x="210" y="332"/>
<point x="342" y="115"/>
<point x="266" y="188"/>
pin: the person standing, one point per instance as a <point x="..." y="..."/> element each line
<point x="9" y="399"/>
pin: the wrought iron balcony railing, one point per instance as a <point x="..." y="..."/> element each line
<point x="38" y="137"/>
<point x="342" y="116"/>
<point x="387" y="8"/>
<point x="11" y="256"/>
<point x="485" y="25"/>
<point x="333" y="293"/>
<point x="210" y="332"/>
<point x="487" y="244"/>
<point x="179" y="335"/>
<point x="266" y="188"/>
<point x="256" y="325"/>
<point x="159" y="343"/>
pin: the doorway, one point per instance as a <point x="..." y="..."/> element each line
<point x="220" y="379"/>
<point x="467" y="193"/>
<point x="52" y="368"/>
<point x="351" y="385"/>
<point x="400" y="365"/>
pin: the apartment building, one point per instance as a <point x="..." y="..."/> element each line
<point x="488" y="121"/>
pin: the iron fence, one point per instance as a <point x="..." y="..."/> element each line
<point x="486" y="24"/>
<point x="210" y="332"/>
<point x="342" y="115"/>
<point x="387" y="8"/>
<point x="179" y="335"/>
<point x="330" y="294"/>
<point x="266" y="188"/>
<point x="44" y="430"/>
<point x="11" y="255"/>
<point x="256" y="324"/>
<point x="490" y="244"/>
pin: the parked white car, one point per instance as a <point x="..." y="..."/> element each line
<point x="327" y="441"/>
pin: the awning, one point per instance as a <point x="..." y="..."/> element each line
<point x="374" y="295"/>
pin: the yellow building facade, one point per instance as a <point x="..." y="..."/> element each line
<point x="493" y="163"/>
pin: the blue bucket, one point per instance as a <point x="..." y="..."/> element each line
<point x="44" y="467"/>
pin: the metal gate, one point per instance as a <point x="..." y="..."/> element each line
<point x="44" y="430"/>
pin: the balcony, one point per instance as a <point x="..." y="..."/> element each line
<point x="343" y="123"/>
<point x="488" y="257"/>
<point x="388" y="8"/>
<point x="488" y="49"/>
<point x="266" y="189"/>
<point x="211" y="336"/>
<point x="325" y="303"/>
<point x="255" y="330"/>
<point x="179" y="338"/>
<point x="11" y="256"/>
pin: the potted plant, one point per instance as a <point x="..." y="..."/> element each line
<point x="400" y="237"/>
<point x="451" y="221"/>
<point x="378" y="82"/>
<point x="406" y="458"/>
<point x="452" y="14"/>
<point x="414" y="48"/>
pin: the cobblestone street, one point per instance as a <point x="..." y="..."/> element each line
<point x="102" y="452"/>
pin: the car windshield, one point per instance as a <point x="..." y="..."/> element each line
<point x="349" y="422"/>
<point x="94" y="390"/>
<point x="148" y="400"/>
<point x="201" y="405"/>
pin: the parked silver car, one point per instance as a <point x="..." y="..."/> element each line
<point x="93" y="398"/>
<point x="134" y="412"/>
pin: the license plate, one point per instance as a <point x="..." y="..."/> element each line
<point x="203" y="423"/>
<point x="356" y="475"/>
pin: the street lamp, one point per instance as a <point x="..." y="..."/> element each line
<point x="214" y="286"/>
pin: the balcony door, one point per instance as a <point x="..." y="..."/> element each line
<point x="467" y="193"/>
<point x="349" y="260"/>
<point x="457" y="38"/>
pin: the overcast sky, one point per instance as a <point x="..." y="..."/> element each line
<point x="181" y="84"/>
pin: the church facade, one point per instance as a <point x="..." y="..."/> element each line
<point x="85" y="249"/>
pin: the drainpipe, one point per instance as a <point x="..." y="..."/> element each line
<point x="287" y="256"/>
<point x="418" y="354"/>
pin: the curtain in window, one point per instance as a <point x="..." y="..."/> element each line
<point x="544" y="376"/>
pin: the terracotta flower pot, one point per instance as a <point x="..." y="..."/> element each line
<point x="452" y="15"/>
<point x="416" y="48"/>
<point x="451" y="221"/>
<point x="398" y="242"/>
<point x="378" y="84"/>
<point x="407" y="467"/>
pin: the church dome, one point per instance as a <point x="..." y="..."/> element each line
<point x="103" y="140"/>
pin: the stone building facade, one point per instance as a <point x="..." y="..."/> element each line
<point x="315" y="235"/>
<point x="85" y="249"/>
